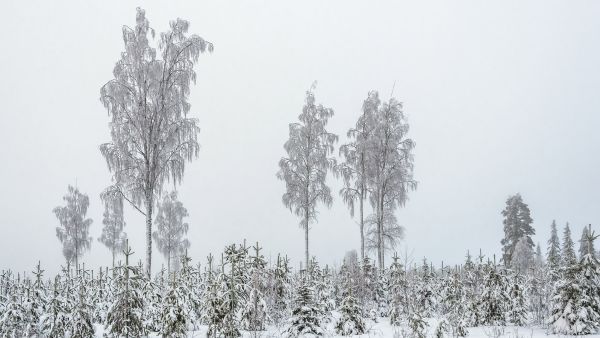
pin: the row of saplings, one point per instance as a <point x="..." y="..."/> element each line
<point x="241" y="292"/>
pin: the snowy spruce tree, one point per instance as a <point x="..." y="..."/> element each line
<point x="568" y="257"/>
<point x="553" y="255"/>
<point x="323" y="286"/>
<point x="190" y="291"/>
<point x="171" y="229"/>
<point x="306" y="317"/>
<point x="234" y="288"/>
<point x="398" y="287"/>
<point x="80" y="323"/>
<point x="152" y="135"/>
<point x="255" y="313"/>
<point x="517" y="224"/>
<point x="173" y="319"/>
<point x="351" y="321"/>
<point x="494" y="300"/>
<point x="424" y="290"/>
<point x="74" y="228"/>
<point x="101" y="297"/>
<point x="368" y="295"/>
<point x="152" y="293"/>
<point x="125" y="316"/>
<point x="14" y="317"/>
<point x="212" y="301"/>
<point x="455" y="306"/>
<point x="576" y="299"/>
<point x="309" y="158"/>
<point x="113" y="236"/>
<point x="417" y="324"/>
<point x="56" y="317"/>
<point x="517" y="306"/>
<point x="572" y="309"/>
<point x="281" y="291"/>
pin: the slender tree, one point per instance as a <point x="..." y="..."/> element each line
<point x="74" y="228"/>
<point x="390" y="233"/>
<point x="390" y="168"/>
<point x="586" y="243"/>
<point x="553" y="255"/>
<point x="517" y="223"/>
<point x="170" y="228"/>
<point x="304" y="171"/>
<point x="152" y="135"/>
<point x="568" y="257"/>
<point x="113" y="236"/>
<point x="353" y="169"/>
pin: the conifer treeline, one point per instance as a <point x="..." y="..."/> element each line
<point x="241" y="291"/>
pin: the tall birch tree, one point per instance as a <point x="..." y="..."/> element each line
<point x="304" y="171"/>
<point x="74" y="228"/>
<point x="354" y="167"/>
<point x="391" y="167"/>
<point x="152" y="135"/>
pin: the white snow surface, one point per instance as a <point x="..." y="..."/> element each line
<point x="383" y="328"/>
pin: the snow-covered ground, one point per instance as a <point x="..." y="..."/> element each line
<point x="384" y="329"/>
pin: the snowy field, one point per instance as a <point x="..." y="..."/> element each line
<point x="384" y="329"/>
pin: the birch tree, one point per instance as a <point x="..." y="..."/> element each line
<point x="171" y="229"/>
<point x="152" y="134"/>
<point x="391" y="166"/>
<point x="304" y="171"/>
<point x="353" y="168"/>
<point x="113" y="236"/>
<point x="73" y="231"/>
<point x="391" y="232"/>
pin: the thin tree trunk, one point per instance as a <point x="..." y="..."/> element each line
<point x="380" y="232"/>
<point x="362" y="229"/>
<point x="169" y="262"/>
<point x="306" y="256"/>
<point x="149" y="234"/>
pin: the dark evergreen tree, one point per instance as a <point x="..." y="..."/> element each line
<point x="14" y="317"/>
<point x="234" y="289"/>
<point x="517" y="224"/>
<point x="281" y="291"/>
<point x="55" y="320"/>
<point x="125" y="316"/>
<point x="554" y="255"/>
<point x="351" y="321"/>
<point x="568" y="257"/>
<point x="80" y="323"/>
<point x="173" y="319"/>
<point x="455" y="306"/>
<point x="254" y="313"/>
<point x="517" y="311"/>
<point x="212" y="302"/>
<point x="398" y="293"/>
<point x="306" y="315"/>
<point x="494" y="299"/>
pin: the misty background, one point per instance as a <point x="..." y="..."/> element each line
<point x="501" y="98"/>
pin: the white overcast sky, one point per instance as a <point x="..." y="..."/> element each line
<point x="502" y="97"/>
